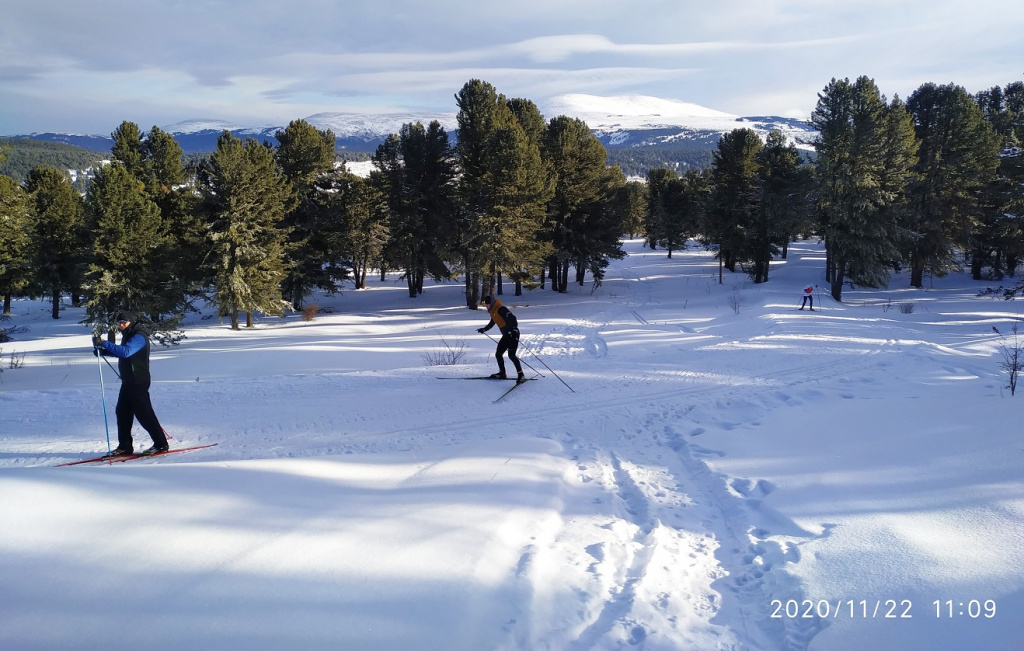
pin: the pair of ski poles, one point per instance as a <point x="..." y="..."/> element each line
<point x="103" y="393"/>
<point x="529" y="351"/>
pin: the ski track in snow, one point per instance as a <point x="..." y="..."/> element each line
<point x="641" y="509"/>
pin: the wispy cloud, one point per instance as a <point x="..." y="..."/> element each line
<point x="65" y="60"/>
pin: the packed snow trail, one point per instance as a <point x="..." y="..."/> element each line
<point x="721" y="452"/>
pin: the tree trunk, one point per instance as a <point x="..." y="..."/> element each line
<point x="234" y="320"/>
<point x="829" y="269"/>
<point x="7" y="304"/>
<point x="785" y="250"/>
<point x="472" y="287"/>
<point x="976" y="265"/>
<point x="916" y="272"/>
<point x="837" y="283"/>
<point x="55" y="297"/>
<point x="248" y="320"/>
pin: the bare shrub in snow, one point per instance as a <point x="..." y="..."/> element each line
<point x="450" y="355"/>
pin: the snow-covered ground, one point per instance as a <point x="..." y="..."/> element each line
<point x="726" y="472"/>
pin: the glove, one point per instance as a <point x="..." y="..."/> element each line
<point x="97" y="341"/>
<point x="95" y="352"/>
<point x="481" y="330"/>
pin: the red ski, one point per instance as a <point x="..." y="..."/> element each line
<point x="129" y="457"/>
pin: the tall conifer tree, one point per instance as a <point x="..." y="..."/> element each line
<point x="58" y="243"/>
<point x="578" y="164"/>
<point x="780" y="203"/>
<point x="249" y="198"/>
<point x="733" y="204"/>
<point x="865" y="151"/>
<point x="305" y="155"/>
<point x="15" y="240"/>
<point x="127" y="237"/>
<point x="956" y="160"/>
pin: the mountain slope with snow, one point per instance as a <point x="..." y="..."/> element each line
<point x="619" y="121"/>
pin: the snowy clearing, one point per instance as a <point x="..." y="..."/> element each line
<point x="726" y="472"/>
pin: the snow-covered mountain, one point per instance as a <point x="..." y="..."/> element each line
<point x="624" y="121"/>
<point x="644" y="121"/>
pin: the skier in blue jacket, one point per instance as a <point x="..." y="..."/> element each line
<point x="133" y="401"/>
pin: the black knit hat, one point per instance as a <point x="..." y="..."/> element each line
<point x="126" y="315"/>
<point x="487" y="299"/>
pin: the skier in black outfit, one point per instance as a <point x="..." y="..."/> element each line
<point x="133" y="400"/>
<point x="509" y="327"/>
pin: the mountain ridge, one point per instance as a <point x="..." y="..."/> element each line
<point x="682" y="133"/>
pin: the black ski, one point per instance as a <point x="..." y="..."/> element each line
<point x="514" y="387"/>
<point x="479" y="377"/>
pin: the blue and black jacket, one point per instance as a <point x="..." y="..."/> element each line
<point x="132" y="354"/>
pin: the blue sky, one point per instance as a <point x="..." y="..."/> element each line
<point x="87" y="66"/>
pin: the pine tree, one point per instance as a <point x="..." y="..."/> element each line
<point x="733" y="204"/>
<point x="781" y="205"/>
<point x="481" y="109"/>
<point x="179" y="261"/>
<point x="360" y="208"/>
<point x="249" y="197"/>
<point x="657" y="219"/>
<point x="631" y="202"/>
<point x="503" y="189"/>
<point x="15" y="240"/>
<point x="997" y="241"/>
<point x="509" y="233"/>
<point x="126" y="229"/>
<point x="306" y="154"/>
<point x="416" y="175"/>
<point x="58" y="241"/>
<point x="677" y="207"/>
<point x="957" y="159"/>
<point x="128" y="149"/>
<point x="865" y="154"/>
<point x="582" y="184"/>
<point x="598" y="234"/>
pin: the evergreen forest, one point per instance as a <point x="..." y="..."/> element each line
<point x="520" y="202"/>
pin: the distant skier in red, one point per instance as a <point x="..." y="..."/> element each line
<point x="509" y="327"/>
<point x="808" y="295"/>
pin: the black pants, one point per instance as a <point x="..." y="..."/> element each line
<point x="808" y="297"/>
<point x="509" y="342"/>
<point x="133" y="403"/>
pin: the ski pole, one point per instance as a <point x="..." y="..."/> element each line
<point x="103" y="396"/>
<point x="549" y="368"/>
<point x="111" y="367"/>
<point x="522" y="360"/>
<point x="542" y="362"/>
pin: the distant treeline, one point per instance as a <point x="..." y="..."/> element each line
<point x="927" y="184"/>
<point x="637" y="161"/>
<point x="19" y="155"/>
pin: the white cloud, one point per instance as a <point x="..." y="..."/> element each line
<point x="62" y="60"/>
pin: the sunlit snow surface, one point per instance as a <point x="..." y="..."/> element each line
<point x="726" y="472"/>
